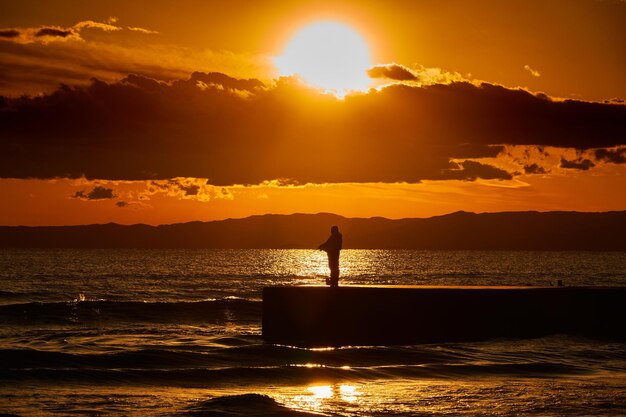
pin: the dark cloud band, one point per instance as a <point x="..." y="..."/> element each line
<point x="243" y="132"/>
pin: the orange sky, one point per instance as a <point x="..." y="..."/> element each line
<point x="479" y="106"/>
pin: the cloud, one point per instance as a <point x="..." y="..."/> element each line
<point x="144" y="83"/>
<point x="472" y="170"/>
<point x="107" y="27"/>
<point x="9" y="33"/>
<point x="50" y="34"/>
<point x="97" y="193"/>
<point x="142" y="30"/>
<point x="581" y="164"/>
<point x="216" y="79"/>
<point x="534" y="168"/>
<point x="418" y="76"/>
<point x="614" y="156"/>
<point x="434" y="75"/>
<point x="533" y="72"/>
<point x="136" y="205"/>
<point x="204" y="126"/>
<point x="198" y="189"/>
<point x="53" y="32"/>
<point x="392" y="71"/>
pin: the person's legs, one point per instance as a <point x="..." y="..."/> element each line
<point x="334" y="278"/>
<point x="333" y="264"/>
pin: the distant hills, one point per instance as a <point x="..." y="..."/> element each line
<point x="456" y="231"/>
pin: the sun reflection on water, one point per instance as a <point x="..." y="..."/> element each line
<point x="320" y="392"/>
<point x="313" y="265"/>
<point x="319" y="396"/>
<point x="310" y="266"/>
<point x="348" y="393"/>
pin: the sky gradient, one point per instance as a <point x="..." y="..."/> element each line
<point x="163" y="112"/>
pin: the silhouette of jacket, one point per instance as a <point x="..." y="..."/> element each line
<point x="333" y="244"/>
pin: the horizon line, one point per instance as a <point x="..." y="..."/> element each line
<point x="318" y="214"/>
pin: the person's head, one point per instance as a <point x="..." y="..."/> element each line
<point x="334" y="230"/>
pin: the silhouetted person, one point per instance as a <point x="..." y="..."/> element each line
<point x="332" y="247"/>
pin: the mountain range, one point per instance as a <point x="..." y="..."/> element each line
<point x="455" y="231"/>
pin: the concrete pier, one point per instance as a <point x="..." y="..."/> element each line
<point x="317" y="316"/>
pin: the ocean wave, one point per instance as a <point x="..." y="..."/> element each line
<point x="221" y="310"/>
<point x="252" y="355"/>
<point x="546" y="354"/>
<point x="303" y="374"/>
<point x="265" y="363"/>
<point x="244" y="404"/>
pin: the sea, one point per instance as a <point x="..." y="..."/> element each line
<point x="178" y="332"/>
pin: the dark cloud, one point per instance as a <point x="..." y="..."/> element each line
<point x="61" y="33"/>
<point x="190" y="189"/>
<point x="223" y="80"/>
<point x="534" y="169"/>
<point x="614" y="156"/>
<point x="242" y="132"/>
<point x="121" y="204"/>
<point x="9" y="33"/>
<point x="582" y="164"/>
<point x="392" y="71"/>
<point x="97" y="193"/>
<point x="472" y="170"/>
<point x="197" y="81"/>
<point x="145" y="83"/>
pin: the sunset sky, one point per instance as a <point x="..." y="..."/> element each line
<point x="171" y="111"/>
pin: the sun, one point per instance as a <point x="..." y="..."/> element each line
<point x="329" y="55"/>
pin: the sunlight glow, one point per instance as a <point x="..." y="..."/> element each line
<point x="320" y="392"/>
<point x="319" y="396"/>
<point x="329" y="55"/>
